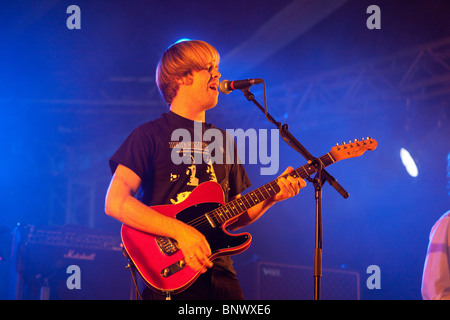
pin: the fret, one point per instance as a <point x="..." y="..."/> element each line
<point x="250" y="197"/>
<point x="248" y="205"/>
<point x="230" y="209"/>
<point x="217" y="219"/>
<point x="240" y="204"/>
<point x="257" y="191"/>
<point x="310" y="170"/>
<point x="266" y="190"/>
<point x="233" y="209"/>
<point x="305" y="173"/>
<point x="219" y="215"/>
<point x="225" y="212"/>
<point x="272" y="188"/>
<point x="327" y="159"/>
<point x="261" y="192"/>
<point x="255" y="197"/>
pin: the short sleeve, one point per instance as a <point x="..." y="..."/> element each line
<point x="436" y="273"/>
<point x="135" y="153"/>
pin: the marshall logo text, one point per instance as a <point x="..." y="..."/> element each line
<point x="72" y="254"/>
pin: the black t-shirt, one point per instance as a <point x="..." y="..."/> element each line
<point x="170" y="173"/>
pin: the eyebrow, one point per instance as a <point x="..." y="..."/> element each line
<point x="212" y="63"/>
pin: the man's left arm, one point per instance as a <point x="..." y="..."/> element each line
<point x="289" y="187"/>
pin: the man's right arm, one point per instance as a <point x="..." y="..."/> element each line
<point x="121" y="205"/>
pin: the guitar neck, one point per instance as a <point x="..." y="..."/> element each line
<point x="251" y="199"/>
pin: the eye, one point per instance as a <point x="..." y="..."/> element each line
<point x="210" y="68"/>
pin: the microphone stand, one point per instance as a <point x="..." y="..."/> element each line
<point x="321" y="176"/>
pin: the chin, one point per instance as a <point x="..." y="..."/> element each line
<point x="211" y="105"/>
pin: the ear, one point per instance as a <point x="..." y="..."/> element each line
<point x="186" y="80"/>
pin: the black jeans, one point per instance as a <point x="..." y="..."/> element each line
<point x="214" y="284"/>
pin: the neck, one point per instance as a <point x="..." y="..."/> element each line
<point x="239" y="205"/>
<point x="188" y="113"/>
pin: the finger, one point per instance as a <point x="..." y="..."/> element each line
<point x="302" y="183"/>
<point x="286" y="172"/>
<point x="199" y="260"/>
<point x="282" y="184"/>
<point x="288" y="186"/>
<point x="298" y="183"/>
<point x="284" y="192"/>
<point x="206" y="263"/>
<point x="194" y="263"/>
<point x="293" y="183"/>
<point x="190" y="260"/>
<point x="203" y="260"/>
<point x="201" y="264"/>
<point x="204" y="257"/>
<point x="204" y="253"/>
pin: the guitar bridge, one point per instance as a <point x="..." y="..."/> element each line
<point x="167" y="245"/>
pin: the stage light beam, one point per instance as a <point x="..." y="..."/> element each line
<point x="409" y="163"/>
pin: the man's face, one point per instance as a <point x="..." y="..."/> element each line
<point x="205" y="85"/>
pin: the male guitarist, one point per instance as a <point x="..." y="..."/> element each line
<point x="144" y="173"/>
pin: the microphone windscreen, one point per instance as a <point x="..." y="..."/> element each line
<point x="224" y="87"/>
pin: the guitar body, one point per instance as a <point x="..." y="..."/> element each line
<point x="158" y="260"/>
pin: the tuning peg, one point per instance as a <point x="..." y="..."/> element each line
<point x="356" y="140"/>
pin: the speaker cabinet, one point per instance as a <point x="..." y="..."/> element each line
<point x="262" y="280"/>
<point x="61" y="263"/>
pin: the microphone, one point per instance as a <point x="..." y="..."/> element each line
<point x="226" y="86"/>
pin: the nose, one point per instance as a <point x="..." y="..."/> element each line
<point x="216" y="74"/>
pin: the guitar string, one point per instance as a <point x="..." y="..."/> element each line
<point x="234" y="203"/>
<point x="203" y="222"/>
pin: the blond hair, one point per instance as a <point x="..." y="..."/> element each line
<point x="178" y="61"/>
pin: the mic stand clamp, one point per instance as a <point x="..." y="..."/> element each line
<point x="321" y="176"/>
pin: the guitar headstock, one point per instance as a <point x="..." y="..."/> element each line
<point x="353" y="149"/>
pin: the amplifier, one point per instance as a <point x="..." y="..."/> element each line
<point x="65" y="263"/>
<point x="262" y="280"/>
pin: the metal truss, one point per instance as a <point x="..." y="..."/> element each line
<point x="421" y="73"/>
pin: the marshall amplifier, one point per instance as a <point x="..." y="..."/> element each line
<point x="262" y="280"/>
<point x="65" y="263"/>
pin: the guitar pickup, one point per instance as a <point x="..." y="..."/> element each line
<point x="167" y="245"/>
<point x="173" y="268"/>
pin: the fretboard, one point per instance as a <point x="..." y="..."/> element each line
<point x="241" y="204"/>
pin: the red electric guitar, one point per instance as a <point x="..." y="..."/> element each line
<point x="161" y="263"/>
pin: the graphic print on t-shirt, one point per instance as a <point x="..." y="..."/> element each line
<point x="193" y="170"/>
